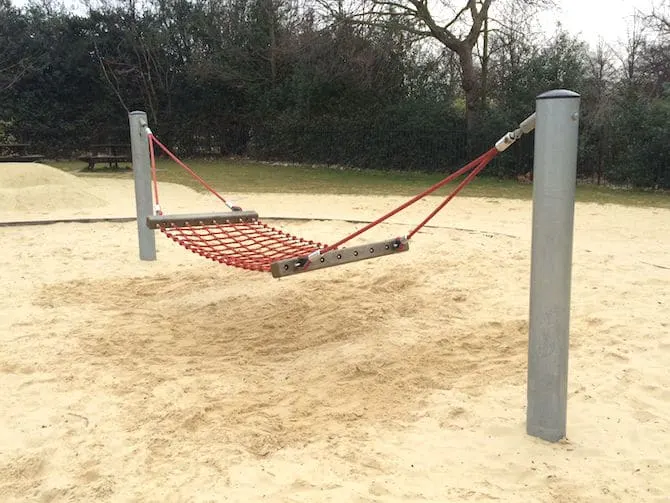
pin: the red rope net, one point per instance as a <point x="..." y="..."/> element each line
<point x="248" y="245"/>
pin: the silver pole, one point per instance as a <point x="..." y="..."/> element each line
<point x="554" y="180"/>
<point x="139" y="145"/>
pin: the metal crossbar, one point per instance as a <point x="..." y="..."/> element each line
<point x="160" y="221"/>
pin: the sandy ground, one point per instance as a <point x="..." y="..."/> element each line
<point x="398" y="379"/>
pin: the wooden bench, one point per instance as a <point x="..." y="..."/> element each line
<point x="112" y="161"/>
<point x="110" y="154"/>
<point x="21" y="158"/>
<point x="16" y="152"/>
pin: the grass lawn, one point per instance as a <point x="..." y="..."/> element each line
<point x="248" y="176"/>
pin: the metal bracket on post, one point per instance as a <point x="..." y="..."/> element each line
<point x="554" y="183"/>
<point x="139" y="144"/>
<point x="524" y="128"/>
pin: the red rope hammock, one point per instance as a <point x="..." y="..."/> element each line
<point x="249" y="245"/>
<point x="255" y="245"/>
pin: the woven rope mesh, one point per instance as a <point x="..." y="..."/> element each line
<point x="249" y="245"/>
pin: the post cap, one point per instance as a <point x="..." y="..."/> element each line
<point x="557" y="94"/>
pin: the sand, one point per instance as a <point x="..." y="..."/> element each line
<point x="397" y="379"/>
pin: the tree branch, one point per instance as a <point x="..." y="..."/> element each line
<point x="478" y="18"/>
<point x="107" y="78"/>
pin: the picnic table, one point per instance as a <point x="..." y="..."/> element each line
<point x="107" y="153"/>
<point x="17" y="152"/>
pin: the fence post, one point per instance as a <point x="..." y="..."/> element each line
<point x="139" y="145"/>
<point x="554" y="182"/>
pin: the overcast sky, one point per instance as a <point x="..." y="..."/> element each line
<point x="596" y="18"/>
<point x="590" y="19"/>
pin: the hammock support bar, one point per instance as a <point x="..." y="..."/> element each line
<point x="166" y="221"/>
<point x="339" y="256"/>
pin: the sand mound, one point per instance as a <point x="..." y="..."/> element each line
<point x="30" y="191"/>
<point x="19" y="175"/>
<point x="30" y="187"/>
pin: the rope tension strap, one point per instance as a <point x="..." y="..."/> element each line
<point x="250" y="244"/>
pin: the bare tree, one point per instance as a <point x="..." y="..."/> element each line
<point x="660" y="16"/>
<point x="456" y="28"/>
<point x="509" y="36"/>
<point x="142" y="52"/>
<point x="597" y="105"/>
<point x="14" y="61"/>
<point x="11" y="73"/>
<point x="457" y="25"/>
<point x="632" y="49"/>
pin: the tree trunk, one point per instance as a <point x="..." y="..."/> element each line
<point x="472" y="90"/>
<point x="273" y="42"/>
<point x="485" y="63"/>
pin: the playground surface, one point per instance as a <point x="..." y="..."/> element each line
<point x="399" y="379"/>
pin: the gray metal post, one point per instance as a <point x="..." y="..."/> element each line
<point x="142" y="173"/>
<point x="554" y="181"/>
